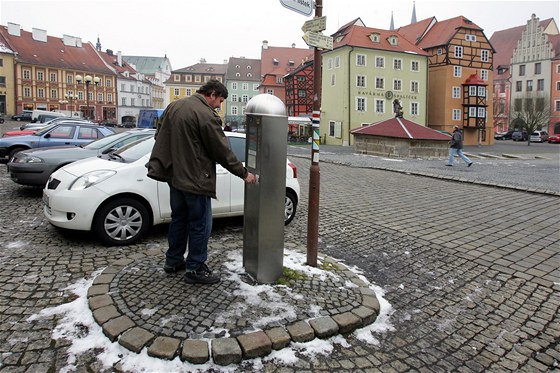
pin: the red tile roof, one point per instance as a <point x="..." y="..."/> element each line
<point x="54" y="53"/>
<point x="401" y="128"/>
<point x="282" y="56"/>
<point x="443" y="31"/>
<point x="415" y="31"/>
<point x="359" y="36"/>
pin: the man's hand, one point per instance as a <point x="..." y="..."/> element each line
<point x="250" y="178"/>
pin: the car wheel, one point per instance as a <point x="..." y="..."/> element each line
<point x="15" y="150"/>
<point x="121" y="222"/>
<point x="290" y="207"/>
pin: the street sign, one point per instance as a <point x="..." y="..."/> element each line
<point x="304" y="7"/>
<point x="318" y="40"/>
<point x="316" y="24"/>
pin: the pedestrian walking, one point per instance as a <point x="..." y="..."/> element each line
<point x="456" y="148"/>
<point x="189" y="143"/>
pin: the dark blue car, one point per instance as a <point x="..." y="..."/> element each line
<point x="58" y="134"/>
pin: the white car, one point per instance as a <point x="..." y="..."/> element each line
<point x="112" y="195"/>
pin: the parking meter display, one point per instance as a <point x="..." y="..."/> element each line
<point x="252" y="141"/>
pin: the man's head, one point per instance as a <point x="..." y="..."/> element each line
<point x="214" y="92"/>
<point x="455" y="128"/>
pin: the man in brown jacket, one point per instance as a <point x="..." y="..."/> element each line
<point x="189" y="143"/>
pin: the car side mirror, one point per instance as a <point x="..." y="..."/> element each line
<point x="109" y="150"/>
<point x="47" y="135"/>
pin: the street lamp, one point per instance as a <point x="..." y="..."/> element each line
<point x="64" y="102"/>
<point x="70" y="97"/>
<point x="87" y="81"/>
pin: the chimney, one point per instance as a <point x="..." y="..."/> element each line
<point x="119" y="58"/>
<point x="265" y="44"/>
<point x="39" y="35"/>
<point x="293" y="45"/>
<point x="110" y="52"/>
<point x="14" y="29"/>
<point x="203" y="60"/>
<point x="71" y="41"/>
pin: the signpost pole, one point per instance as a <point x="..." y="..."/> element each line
<point x="314" y="172"/>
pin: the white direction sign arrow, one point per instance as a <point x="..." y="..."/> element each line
<point x="318" y="40"/>
<point x="304" y="7"/>
<point x="316" y="24"/>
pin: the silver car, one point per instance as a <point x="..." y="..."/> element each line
<point x="33" y="167"/>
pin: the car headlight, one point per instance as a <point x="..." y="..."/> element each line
<point x="26" y="158"/>
<point x="91" y="178"/>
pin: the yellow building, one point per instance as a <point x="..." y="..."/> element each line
<point x="7" y="99"/>
<point x="186" y="81"/>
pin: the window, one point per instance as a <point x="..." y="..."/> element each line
<point x="456" y="92"/>
<point x="484" y="74"/>
<point x="557" y="105"/>
<point x="485" y="55"/>
<point x="472" y="112"/>
<point x="245" y="98"/>
<point x="27" y="74"/>
<point x="1" y="62"/>
<point x="540" y="85"/>
<point x="189" y="92"/>
<point x="69" y="78"/>
<point x="176" y="77"/>
<point x="397" y="64"/>
<point x="54" y="93"/>
<point x="517" y="104"/>
<point x="470" y="37"/>
<point x="521" y="70"/>
<point x="360" y="60"/>
<point x="255" y="87"/>
<point x="87" y="133"/>
<point x="197" y="78"/>
<point x="279" y="80"/>
<point x="53" y="77"/>
<point x="558" y="86"/>
<point x="458" y="51"/>
<point x="245" y="86"/>
<point x="360" y="104"/>
<point x="330" y="63"/>
<point x="80" y="95"/>
<point x="380" y="62"/>
<point x="481" y="92"/>
<point x="518" y="86"/>
<point x="233" y="110"/>
<point x="457" y="71"/>
<point x="63" y="132"/>
<point x="176" y="92"/>
<point x="302" y="93"/>
<point x="41" y="92"/>
<point x="439" y="51"/>
<point x="108" y="83"/>
<point x="397" y="85"/>
<point x="132" y="102"/>
<point x="379" y="106"/>
<point x="2" y="81"/>
<point x="537" y="68"/>
<point x="333" y="79"/>
<point x="456" y="114"/>
<point x="234" y="98"/>
<point x="414" y="66"/>
<point x="361" y="81"/>
<point x="472" y="90"/>
<point x="123" y="101"/>
<point x="234" y="85"/>
<point x="414" y="86"/>
<point x="109" y="97"/>
<point x="379" y="83"/>
<point x="40" y="75"/>
<point x="529" y="85"/>
<point x="27" y="92"/>
<point x="414" y="108"/>
<point x="188" y="78"/>
<point x="270" y="91"/>
<point x="481" y="112"/>
<point x="100" y="97"/>
<point x="337" y="61"/>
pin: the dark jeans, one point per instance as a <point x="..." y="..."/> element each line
<point x="191" y="221"/>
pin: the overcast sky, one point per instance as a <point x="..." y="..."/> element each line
<point x="187" y="31"/>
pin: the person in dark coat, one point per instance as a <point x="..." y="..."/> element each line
<point x="456" y="148"/>
<point x="189" y="143"/>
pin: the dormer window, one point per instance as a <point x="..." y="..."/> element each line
<point x="375" y="37"/>
<point x="275" y="61"/>
<point x="291" y="63"/>
<point x="393" y="40"/>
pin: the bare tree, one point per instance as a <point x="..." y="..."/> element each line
<point x="531" y="113"/>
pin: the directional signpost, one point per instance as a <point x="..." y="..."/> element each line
<point x="318" y="40"/>
<point x="304" y="7"/>
<point x="317" y="24"/>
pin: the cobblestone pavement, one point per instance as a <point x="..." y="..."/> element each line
<point x="471" y="271"/>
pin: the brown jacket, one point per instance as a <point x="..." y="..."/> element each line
<point x="189" y="142"/>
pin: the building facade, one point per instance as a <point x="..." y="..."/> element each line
<point x="300" y="90"/>
<point x="368" y="74"/>
<point x="7" y="100"/>
<point x="157" y="70"/>
<point x="457" y="50"/>
<point x="243" y="78"/>
<point x="186" y="81"/>
<point x="59" y="74"/>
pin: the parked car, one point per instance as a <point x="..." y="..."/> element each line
<point x="59" y="134"/>
<point x="1" y="118"/>
<point x="33" y="167"/>
<point x="539" y="136"/>
<point x="18" y="133"/>
<point x="112" y="196"/>
<point x="519" y="136"/>
<point x="554" y="139"/>
<point x="25" y="116"/>
<point x="503" y="135"/>
<point x="39" y="125"/>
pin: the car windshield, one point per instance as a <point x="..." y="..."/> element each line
<point x="136" y="150"/>
<point x="105" y="141"/>
<point x="43" y="130"/>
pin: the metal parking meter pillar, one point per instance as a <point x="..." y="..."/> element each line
<point x="266" y="150"/>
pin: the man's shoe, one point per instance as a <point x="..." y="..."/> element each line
<point x="174" y="269"/>
<point x="202" y="275"/>
<point x="450" y="165"/>
<point x="470" y="164"/>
